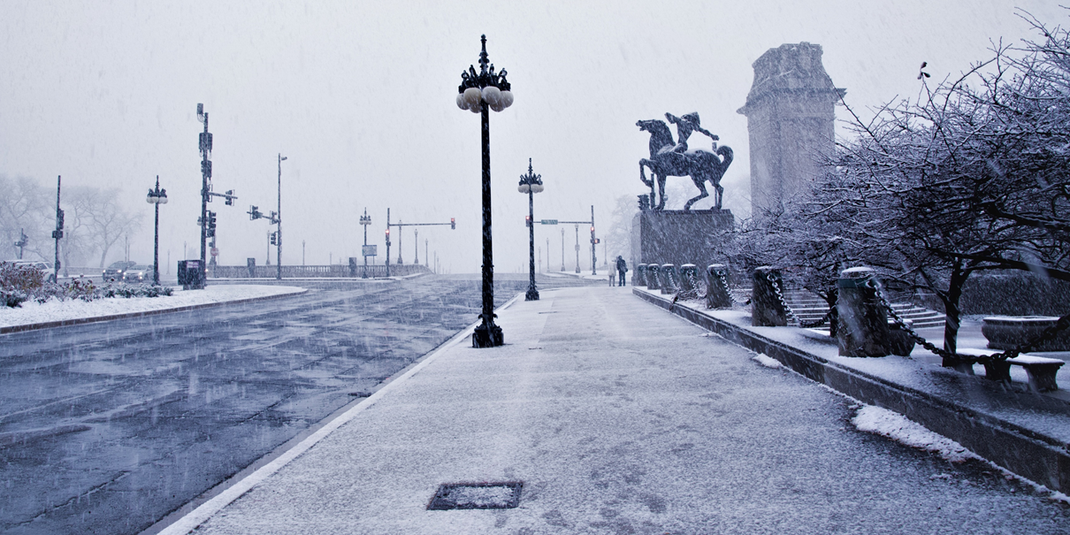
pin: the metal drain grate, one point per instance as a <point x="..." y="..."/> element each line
<point x="477" y="496"/>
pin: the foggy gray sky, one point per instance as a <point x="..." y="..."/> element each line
<point x="360" y="97"/>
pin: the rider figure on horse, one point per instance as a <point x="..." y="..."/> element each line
<point x="684" y="126"/>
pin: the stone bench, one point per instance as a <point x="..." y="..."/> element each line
<point x="1041" y="371"/>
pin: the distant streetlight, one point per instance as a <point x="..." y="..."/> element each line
<point x="278" y="238"/>
<point x="531" y="184"/>
<point x="156" y="197"/>
<point x="480" y="93"/>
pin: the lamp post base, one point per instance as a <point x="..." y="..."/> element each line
<point x="487" y="336"/>
<point x="532" y="295"/>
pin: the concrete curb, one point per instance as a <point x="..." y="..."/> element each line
<point x="1025" y="452"/>
<point x="81" y="321"/>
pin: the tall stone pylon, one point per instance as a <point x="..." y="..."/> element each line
<point x="791" y="117"/>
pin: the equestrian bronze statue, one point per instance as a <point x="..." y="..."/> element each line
<point x="669" y="158"/>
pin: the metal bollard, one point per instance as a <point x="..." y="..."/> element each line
<point x="863" y="329"/>
<point x="652" y="278"/>
<point x="717" y="292"/>
<point x="767" y="310"/>
<point x="670" y="280"/>
<point x="639" y="276"/>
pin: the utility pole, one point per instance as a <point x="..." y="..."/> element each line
<point x="594" y="241"/>
<point x="562" y="249"/>
<point x="22" y="241"/>
<point x="387" y="242"/>
<point x="58" y="233"/>
<point x="205" y="146"/>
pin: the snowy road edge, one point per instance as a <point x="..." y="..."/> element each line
<point x="81" y="321"/>
<point x="205" y="511"/>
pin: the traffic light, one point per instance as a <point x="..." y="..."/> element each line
<point x="274" y="240"/>
<point x="59" y="219"/>
<point x="230" y="197"/>
<point x="254" y="213"/>
<point x="211" y="225"/>
<point x="527" y="221"/>
<point x="206" y="168"/>
<point x="453" y="224"/>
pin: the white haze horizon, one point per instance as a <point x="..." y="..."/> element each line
<point x="359" y="97"/>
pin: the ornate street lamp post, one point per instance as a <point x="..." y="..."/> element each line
<point x="479" y="93"/>
<point x="156" y="197"/>
<point x="531" y="184"/>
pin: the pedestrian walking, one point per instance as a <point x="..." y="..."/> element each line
<point x="622" y="268"/>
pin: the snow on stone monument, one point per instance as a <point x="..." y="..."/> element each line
<point x="791" y="119"/>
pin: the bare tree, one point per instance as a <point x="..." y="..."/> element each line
<point x="99" y="222"/>
<point x="24" y="207"/>
<point x="974" y="176"/>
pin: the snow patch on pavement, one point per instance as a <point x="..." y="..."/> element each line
<point x="31" y="313"/>
<point x="898" y="428"/>
<point x="767" y="361"/>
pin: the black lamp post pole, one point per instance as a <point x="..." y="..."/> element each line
<point x="156" y="235"/>
<point x="480" y="92"/>
<point x="488" y="334"/>
<point x="531" y="184"/>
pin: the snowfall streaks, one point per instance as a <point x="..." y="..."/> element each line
<point x="106" y="428"/>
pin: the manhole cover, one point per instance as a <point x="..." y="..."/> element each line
<point x="477" y="496"/>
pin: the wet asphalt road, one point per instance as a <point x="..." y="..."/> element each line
<point x="108" y="427"/>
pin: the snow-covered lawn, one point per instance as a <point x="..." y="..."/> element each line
<point x="31" y="313"/>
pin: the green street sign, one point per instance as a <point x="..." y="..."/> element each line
<point x="548" y="221"/>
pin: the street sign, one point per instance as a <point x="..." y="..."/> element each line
<point x="215" y="251"/>
<point x="548" y="222"/>
<point x="368" y="250"/>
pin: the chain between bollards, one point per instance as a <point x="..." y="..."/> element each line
<point x="1046" y="335"/>
<point x="791" y="313"/>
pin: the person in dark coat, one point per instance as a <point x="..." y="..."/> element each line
<point x="622" y="268"/>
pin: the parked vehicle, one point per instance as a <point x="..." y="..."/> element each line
<point x="117" y="271"/>
<point x="138" y="273"/>
<point x="43" y="266"/>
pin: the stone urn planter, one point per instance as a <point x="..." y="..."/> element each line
<point x="1009" y="332"/>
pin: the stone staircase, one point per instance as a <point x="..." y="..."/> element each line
<point x="809" y="307"/>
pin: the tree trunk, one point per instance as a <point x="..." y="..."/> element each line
<point x="952" y="318"/>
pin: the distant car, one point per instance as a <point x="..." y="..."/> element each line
<point x="137" y="273"/>
<point x="117" y="271"/>
<point x="43" y="266"/>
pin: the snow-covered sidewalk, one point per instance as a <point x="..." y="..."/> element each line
<point x="610" y="416"/>
<point x="52" y="313"/>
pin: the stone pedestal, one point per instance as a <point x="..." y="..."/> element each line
<point x="680" y="237"/>
<point x="716" y="291"/>
<point x="766" y="308"/>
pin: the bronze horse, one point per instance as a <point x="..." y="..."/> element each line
<point x="700" y="165"/>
